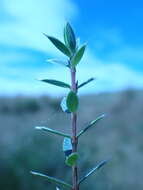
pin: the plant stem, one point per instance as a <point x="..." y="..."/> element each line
<point x="74" y="131"/>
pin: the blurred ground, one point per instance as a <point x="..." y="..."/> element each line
<point x="118" y="136"/>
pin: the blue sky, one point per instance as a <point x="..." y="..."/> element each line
<point x="113" y="30"/>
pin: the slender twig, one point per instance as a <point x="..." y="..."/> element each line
<point x="74" y="131"/>
<point x="70" y="105"/>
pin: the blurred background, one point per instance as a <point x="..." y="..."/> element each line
<point x="113" y="31"/>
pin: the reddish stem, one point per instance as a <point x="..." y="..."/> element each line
<point x="74" y="130"/>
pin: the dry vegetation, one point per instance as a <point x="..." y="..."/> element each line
<point x="118" y="136"/>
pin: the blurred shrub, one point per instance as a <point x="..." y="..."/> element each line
<point x="119" y="136"/>
<point x="29" y="105"/>
<point x="20" y="105"/>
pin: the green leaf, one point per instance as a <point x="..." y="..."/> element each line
<point x="69" y="37"/>
<point x="64" y="105"/>
<point x="56" y="83"/>
<point x="56" y="61"/>
<point x="90" y="125"/>
<point x="72" y="101"/>
<point x="93" y="170"/>
<point x="72" y="159"/>
<point x="52" y="131"/>
<point x="86" y="82"/>
<point x="67" y="146"/>
<point x="53" y="180"/>
<point x="78" y="55"/>
<point x="59" y="45"/>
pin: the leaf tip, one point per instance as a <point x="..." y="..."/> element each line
<point x="38" y="128"/>
<point x="33" y="173"/>
<point x="92" y="78"/>
<point x="66" y="23"/>
<point x="44" y="34"/>
<point x="103" y="115"/>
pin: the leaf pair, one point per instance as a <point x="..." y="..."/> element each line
<point x="70" y="41"/>
<point x="63" y="84"/>
<point x="70" y="103"/>
<point x="71" y="160"/>
<point x="70" y="48"/>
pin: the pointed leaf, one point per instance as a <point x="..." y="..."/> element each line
<point x="90" y="125"/>
<point x="86" y="82"/>
<point x="59" y="45"/>
<point x="56" y="83"/>
<point x="93" y="170"/>
<point x="72" y="159"/>
<point x="57" y="188"/>
<point x="67" y="146"/>
<point x="52" y="131"/>
<point x="56" y="61"/>
<point x="69" y="37"/>
<point x="78" y="55"/>
<point x="64" y="105"/>
<point x="72" y="101"/>
<point x="53" y="180"/>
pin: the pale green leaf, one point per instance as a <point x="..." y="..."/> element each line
<point x="52" y="131"/>
<point x="60" y="62"/>
<point x="53" y="180"/>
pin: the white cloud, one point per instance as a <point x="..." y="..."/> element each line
<point x="109" y="77"/>
<point x="31" y="18"/>
<point x="128" y="53"/>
